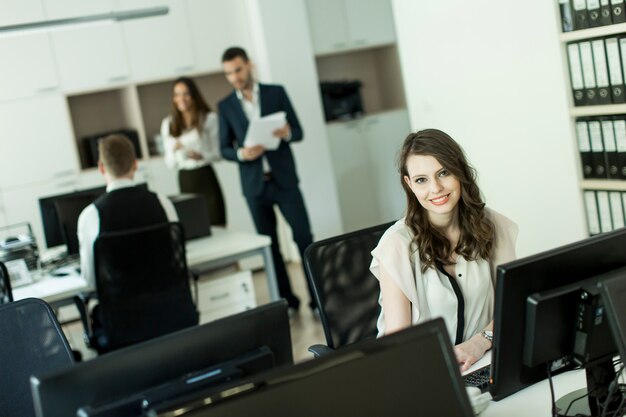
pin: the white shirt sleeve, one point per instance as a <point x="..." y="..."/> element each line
<point x="168" y="143"/>
<point x="88" y="230"/>
<point x="209" y="145"/>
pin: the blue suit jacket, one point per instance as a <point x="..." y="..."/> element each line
<point x="233" y="128"/>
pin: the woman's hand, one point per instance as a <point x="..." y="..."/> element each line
<point x="177" y="144"/>
<point x="468" y="352"/>
<point x="196" y="156"/>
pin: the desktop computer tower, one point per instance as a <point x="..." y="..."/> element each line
<point x="193" y="214"/>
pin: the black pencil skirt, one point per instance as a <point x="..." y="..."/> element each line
<point x="204" y="181"/>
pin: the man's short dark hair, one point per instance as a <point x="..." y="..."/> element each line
<point x="234" y="52"/>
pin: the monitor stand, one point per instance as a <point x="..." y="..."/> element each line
<point x="589" y="401"/>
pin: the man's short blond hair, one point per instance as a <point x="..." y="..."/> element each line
<point x="117" y="154"/>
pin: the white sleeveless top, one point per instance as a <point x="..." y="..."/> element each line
<point x="430" y="293"/>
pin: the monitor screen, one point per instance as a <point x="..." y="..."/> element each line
<point x="549" y="270"/>
<point x="52" y="226"/>
<point x="409" y="373"/>
<point x="117" y="375"/>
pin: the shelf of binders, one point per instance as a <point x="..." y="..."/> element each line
<point x="597" y="32"/>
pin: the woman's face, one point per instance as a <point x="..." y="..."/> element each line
<point x="436" y="189"/>
<point x="182" y="98"/>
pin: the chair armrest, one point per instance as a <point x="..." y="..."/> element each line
<point x="320" y="350"/>
<point x="194" y="276"/>
<point x="82" y="304"/>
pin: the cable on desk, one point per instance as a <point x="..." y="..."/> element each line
<point x="551" y="390"/>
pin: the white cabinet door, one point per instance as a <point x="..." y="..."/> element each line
<point x="352" y="165"/>
<point x="161" y="179"/>
<point x="91" y="56"/>
<point x="385" y="134"/>
<point x="28" y="66"/>
<point x="158" y="47"/>
<point x="215" y="26"/>
<point x="370" y="22"/>
<point x="327" y="19"/>
<point x="22" y="204"/>
<point x="22" y="11"/>
<point x="37" y="141"/>
<point x="63" y="9"/>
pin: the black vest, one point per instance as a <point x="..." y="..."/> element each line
<point x="129" y="208"/>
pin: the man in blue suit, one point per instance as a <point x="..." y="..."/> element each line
<point x="268" y="177"/>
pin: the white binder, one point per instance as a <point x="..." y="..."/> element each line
<point x="589" y="73"/>
<point x="602" y="74"/>
<point x="617" y="209"/>
<point x="604" y="211"/>
<point x="591" y="208"/>
<point x="576" y="74"/>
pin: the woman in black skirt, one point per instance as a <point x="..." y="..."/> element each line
<point x="190" y="137"/>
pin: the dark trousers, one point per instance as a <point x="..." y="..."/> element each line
<point x="291" y="205"/>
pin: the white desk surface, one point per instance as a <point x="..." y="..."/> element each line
<point x="534" y="400"/>
<point x="221" y="244"/>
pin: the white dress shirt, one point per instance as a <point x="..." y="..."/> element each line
<point x="89" y="229"/>
<point x="204" y="142"/>
<point x="430" y="293"/>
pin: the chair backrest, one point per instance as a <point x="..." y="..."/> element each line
<point x="345" y="289"/>
<point x="32" y="343"/>
<point x="143" y="284"/>
<point x="6" y="294"/>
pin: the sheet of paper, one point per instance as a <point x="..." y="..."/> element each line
<point x="260" y="131"/>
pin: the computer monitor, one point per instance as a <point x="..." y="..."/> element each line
<point x="148" y="366"/>
<point x="613" y="292"/>
<point x="52" y="226"/>
<point x="413" y="372"/>
<point x="517" y="280"/>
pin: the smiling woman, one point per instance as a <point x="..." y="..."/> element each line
<point x="440" y="259"/>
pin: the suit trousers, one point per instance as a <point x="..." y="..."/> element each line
<point x="291" y="205"/>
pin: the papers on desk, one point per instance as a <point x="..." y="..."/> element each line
<point x="261" y="131"/>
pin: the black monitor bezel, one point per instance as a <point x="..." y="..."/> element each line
<point x="146" y="365"/>
<point x="52" y="228"/>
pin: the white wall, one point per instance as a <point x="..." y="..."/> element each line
<point x="491" y="75"/>
<point x="282" y="40"/>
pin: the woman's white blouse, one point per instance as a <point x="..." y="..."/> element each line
<point x="204" y="142"/>
<point x="430" y="293"/>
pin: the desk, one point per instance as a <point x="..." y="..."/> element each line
<point x="535" y="400"/>
<point x="222" y="248"/>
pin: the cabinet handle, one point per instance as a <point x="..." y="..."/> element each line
<point x="49" y="89"/>
<point x="359" y="42"/>
<point x="62" y="174"/>
<point x="339" y="45"/>
<point x="118" y="78"/>
<point x="66" y="184"/>
<point x="219" y="296"/>
<point x="185" y="68"/>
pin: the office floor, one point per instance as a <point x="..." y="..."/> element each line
<point x="306" y="330"/>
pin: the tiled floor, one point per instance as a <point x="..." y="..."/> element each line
<point x="306" y="330"/>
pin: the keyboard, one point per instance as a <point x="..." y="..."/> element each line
<point x="479" y="378"/>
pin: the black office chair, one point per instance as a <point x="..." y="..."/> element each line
<point x="142" y="284"/>
<point x="32" y="343"/>
<point x="344" y="288"/>
<point x="6" y="293"/>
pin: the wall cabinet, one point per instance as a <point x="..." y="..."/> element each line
<point x="363" y="154"/>
<point x="213" y="30"/>
<point x="338" y="25"/>
<point x="90" y="58"/>
<point x="167" y="51"/>
<point x="29" y="67"/>
<point x="18" y="12"/>
<point x="63" y="9"/>
<point x="37" y="141"/>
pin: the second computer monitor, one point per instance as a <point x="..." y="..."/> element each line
<point x="517" y="280"/>
<point x="146" y="366"/>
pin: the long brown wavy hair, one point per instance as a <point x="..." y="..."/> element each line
<point x="477" y="231"/>
<point x="177" y="122"/>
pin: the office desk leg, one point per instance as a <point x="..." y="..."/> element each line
<point x="270" y="272"/>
